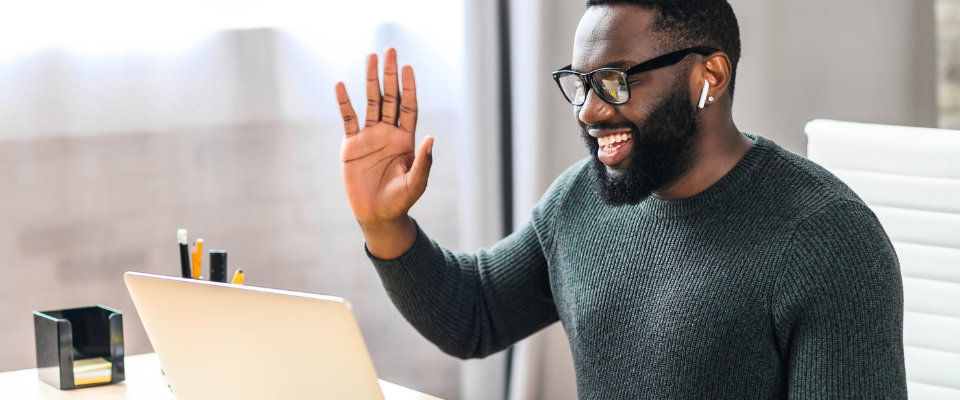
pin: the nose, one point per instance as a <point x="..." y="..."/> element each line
<point x="594" y="109"/>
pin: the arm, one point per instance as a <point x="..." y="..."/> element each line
<point x="838" y="310"/>
<point x="475" y="305"/>
<point x="472" y="305"/>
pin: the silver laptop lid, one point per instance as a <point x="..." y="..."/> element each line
<point x="224" y="341"/>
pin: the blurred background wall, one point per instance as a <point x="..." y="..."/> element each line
<point x="948" y="63"/>
<point x="121" y="121"/>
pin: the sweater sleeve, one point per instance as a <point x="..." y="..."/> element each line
<point x="838" y="308"/>
<point x="472" y="305"/>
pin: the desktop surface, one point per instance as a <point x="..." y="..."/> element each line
<point x="144" y="380"/>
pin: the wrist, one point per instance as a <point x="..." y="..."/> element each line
<point x="389" y="226"/>
<point x="389" y="239"/>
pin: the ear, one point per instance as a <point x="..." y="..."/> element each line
<point x="717" y="71"/>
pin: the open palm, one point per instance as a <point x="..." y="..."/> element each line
<point x="383" y="175"/>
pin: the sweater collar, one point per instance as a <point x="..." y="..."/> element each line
<point x="727" y="189"/>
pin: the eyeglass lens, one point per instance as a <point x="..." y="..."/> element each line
<point x="611" y="85"/>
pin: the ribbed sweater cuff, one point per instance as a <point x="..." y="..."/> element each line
<point x="395" y="273"/>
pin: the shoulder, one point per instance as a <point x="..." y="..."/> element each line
<point x="827" y="231"/>
<point x="839" y="260"/>
<point x="799" y="188"/>
<point x="846" y="225"/>
<point x="840" y="250"/>
<point x="826" y="214"/>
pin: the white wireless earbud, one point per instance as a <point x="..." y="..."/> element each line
<point x="703" y="94"/>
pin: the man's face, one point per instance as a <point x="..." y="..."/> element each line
<point x="647" y="143"/>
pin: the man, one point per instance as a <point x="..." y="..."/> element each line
<point x="685" y="259"/>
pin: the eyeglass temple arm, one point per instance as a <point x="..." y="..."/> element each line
<point x="668" y="59"/>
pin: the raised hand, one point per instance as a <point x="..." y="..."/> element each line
<point x="382" y="174"/>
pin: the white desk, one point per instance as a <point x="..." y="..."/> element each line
<point x="143" y="381"/>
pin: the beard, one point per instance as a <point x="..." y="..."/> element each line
<point x="662" y="152"/>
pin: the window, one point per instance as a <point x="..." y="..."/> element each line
<point x="121" y="121"/>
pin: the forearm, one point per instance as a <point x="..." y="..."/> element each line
<point x="455" y="300"/>
<point x="433" y="294"/>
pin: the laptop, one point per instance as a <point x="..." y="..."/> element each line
<point x="223" y="341"/>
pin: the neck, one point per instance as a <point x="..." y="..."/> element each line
<point x="717" y="152"/>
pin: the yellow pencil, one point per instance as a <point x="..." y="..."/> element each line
<point x="237" y="277"/>
<point x="197" y="257"/>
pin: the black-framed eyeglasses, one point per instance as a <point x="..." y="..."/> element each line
<point x="611" y="83"/>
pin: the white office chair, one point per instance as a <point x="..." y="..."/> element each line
<point x="910" y="177"/>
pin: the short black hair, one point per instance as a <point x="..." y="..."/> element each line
<point x="688" y="23"/>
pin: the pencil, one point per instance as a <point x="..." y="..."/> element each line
<point x="184" y="254"/>
<point x="237" y="277"/>
<point x="197" y="258"/>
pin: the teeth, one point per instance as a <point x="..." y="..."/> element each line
<point x="605" y="141"/>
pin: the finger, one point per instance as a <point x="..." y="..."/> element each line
<point x="391" y="89"/>
<point x="420" y="171"/>
<point x="408" y="101"/>
<point x="350" y="126"/>
<point x="373" y="91"/>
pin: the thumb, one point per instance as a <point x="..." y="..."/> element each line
<point x="417" y="177"/>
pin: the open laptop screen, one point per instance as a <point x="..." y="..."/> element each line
<point x="218" y="340"/>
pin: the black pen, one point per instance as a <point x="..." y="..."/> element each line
<point x="186" y="269"/>
<point x="218" y="265"/>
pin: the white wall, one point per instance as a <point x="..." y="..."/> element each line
<point x="855" y="60"/>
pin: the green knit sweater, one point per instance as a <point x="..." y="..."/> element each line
<point x="775" y="282"/>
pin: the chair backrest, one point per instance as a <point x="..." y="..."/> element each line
<point x="910" y="178"/>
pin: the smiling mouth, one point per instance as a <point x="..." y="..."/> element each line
<point x="614" y="149"/>
<point x="611" y="143"/>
